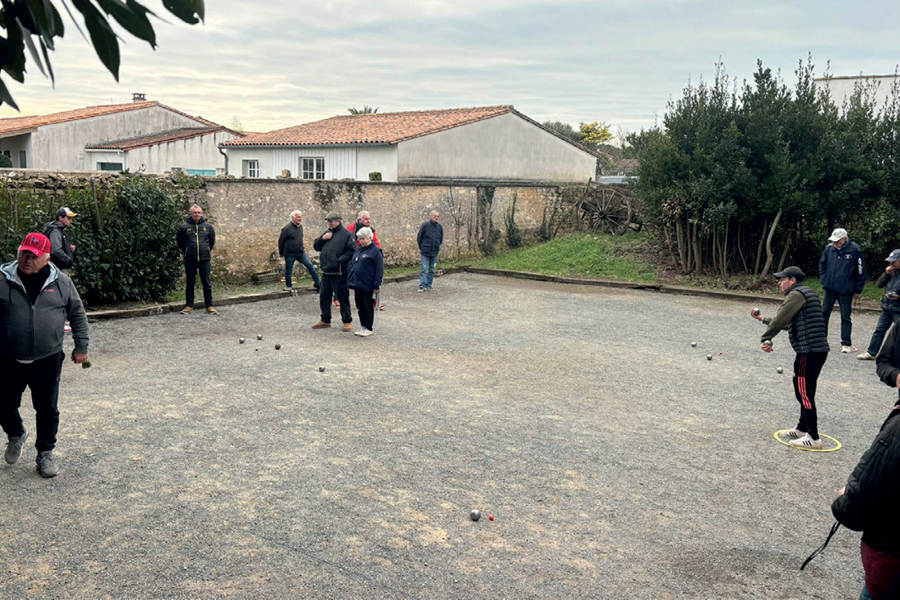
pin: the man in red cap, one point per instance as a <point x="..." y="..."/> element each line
<point x="38" y="299"/>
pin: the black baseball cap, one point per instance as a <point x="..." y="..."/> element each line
<point x="795" y="272"/>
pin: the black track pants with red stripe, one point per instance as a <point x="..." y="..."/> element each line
<point x="806" y="375"/>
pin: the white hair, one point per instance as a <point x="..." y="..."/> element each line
<point x="361" y="213"/>
<point x="296" y="213"/>
<point x="365" y="232"/>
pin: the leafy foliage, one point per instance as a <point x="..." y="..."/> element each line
<point x="594" y="134"/>
<point x="34" y="24"/>
<point x="5" y="162"/>
<point x="513" y="232"/>
<point x="365" y="110"/>
<point x="752" y="178"/>
<point x="563" y="129"/>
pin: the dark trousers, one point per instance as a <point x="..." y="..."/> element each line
<point x="190" y="269"/>
<point x="42" y="376"/>
<point x="846" y="302"/>
<point x="365" y="307"/>
<point x="889" y="314"/>
<point x="806" y="377"/>
<point x="335" y="284"/>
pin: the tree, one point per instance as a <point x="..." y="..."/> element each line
<point x="365" y="110"/>
<point x="36" y="23"/>
<point x="236" y="125"/>
<point x="5" y="162"/>
<point x="594" y="134"/>
<point x="563" y="129"/>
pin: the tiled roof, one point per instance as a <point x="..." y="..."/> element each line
<point x="377" y="128"/>
<point x="12" y="124"/>
<point x="173" y="135"/>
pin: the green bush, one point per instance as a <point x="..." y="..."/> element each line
<point x="5" y="162"/>
<point x="374" y="176"/>
<point x="126" y="242"/>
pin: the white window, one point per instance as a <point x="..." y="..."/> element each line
<point x="312" y="168"/>
<point x="251" y="169"/>
<point x="109" y="166"/>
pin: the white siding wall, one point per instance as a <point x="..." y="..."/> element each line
<point x="61" y="146"/>
<point x="237" y="156"/>
<point x="16" y="144"/>
<point x="382" y="159"/>
<point x="841" y="89"/>
<point x="340" y="163"/>
<point x="504" y="147"/>
<point x="199" y="152"/>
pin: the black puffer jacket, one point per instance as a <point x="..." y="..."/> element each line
<point x="870" y="501"/>
<point x="60" y="253"/>
<point x="335" y="253"/>
<point x="196" y="240"/>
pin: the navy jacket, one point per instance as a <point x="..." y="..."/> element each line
<point x="430" y="238"/>
<point x="366" y="268"/>
<point x="842" y="271"/>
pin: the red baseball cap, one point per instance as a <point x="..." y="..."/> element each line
<point x="36" y="243"/>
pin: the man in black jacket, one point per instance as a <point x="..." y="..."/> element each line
<point x="868" y="503"/>
<point x="290" y="246"/>
<point x="430" y="238"/>
<point x="196" y="239"/>
<point x="62" y="253"/>
<point x="801" y="315"/>
<point x="335" y="247"/>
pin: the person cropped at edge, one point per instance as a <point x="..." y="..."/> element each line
<point x="801" y="316"/>
<point x="36" y="299"/>
<point x="890" y="304"/>
<point x="842" y="272"/>
<point x="290" y="246"/>
<point x="335" y="248"/>
<point x="196" y="239"/>
<point x="366" y="275"/>
<point x="430" y="238"/>
<point x="869" y="502"/>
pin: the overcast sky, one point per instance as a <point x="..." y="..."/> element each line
<point x="278" y="64"/>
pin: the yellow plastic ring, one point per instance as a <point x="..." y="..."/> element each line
<point x="837" y="444"/>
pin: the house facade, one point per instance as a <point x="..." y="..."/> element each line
<point x="484" y="143"/>
<point x="140" y="136"/>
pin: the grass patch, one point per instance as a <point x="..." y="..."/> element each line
<point x="580" y="255"/>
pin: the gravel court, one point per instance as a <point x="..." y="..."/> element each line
<point x="618" y="461"/>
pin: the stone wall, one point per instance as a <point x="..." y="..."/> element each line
<point x="249" y="214"/>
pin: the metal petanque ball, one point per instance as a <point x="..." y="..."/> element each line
<point x="242" y="340"/>
<point x="768" y="343"/>
<point x="86" y="364"/>
<point x="322" y="369"/>
<point x="278" y="346"/>
<point x="475" y="514"/>
<point x="755" y="312"/>
<point x="709" y="357"/>
<point x="780" y="370"/>
<point x="693" y="344"/>
<point x="259" y="337"/>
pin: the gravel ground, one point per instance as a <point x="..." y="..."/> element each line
<point x="617" y="460"/>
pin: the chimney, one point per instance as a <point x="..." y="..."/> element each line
<point x="138" y="97"/>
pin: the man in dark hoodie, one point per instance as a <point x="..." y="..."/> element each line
<point x="890" y="304"/>
<point x="62" y="253"/>
<point x="37" y="299"/>
<point x="335" y="248"/>
<point x="801" y="315"/>
<point x="196" y="239"/>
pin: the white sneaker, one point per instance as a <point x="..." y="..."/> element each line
<point x="363" y="332"/>
<point x="849" y="349"/>
<point x="794" y="433"/>
<point x="866" y="356"/>
<point x="807" y="443"/>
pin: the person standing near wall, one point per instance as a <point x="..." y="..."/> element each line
<point x="335" y="248"/>
<point x="842" y="271"/>
<point x="290" y="246"/>
<point x="430" y="238"/>
<point x="366" y="275"/>
<point x="62" y="253"/>
<point x="196" y="239"/>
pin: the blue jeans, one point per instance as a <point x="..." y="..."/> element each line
<point x="426" y="275"/>
<point x="846" y="302"/>
<point x="303" y="259"/>
<point x="889" y="314"/>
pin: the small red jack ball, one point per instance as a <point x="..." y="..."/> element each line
<point x="491" y="517"/>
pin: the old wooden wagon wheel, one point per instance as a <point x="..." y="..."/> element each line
<point x="608" y="210"/>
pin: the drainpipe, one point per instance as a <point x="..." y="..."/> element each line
<point x="219" y="148"/>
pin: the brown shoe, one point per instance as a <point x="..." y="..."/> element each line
<point x="348" y="327"/>
<point x="211" y="310"/>
<point x="321" y="325"/>
<point x="187" y="309"/>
